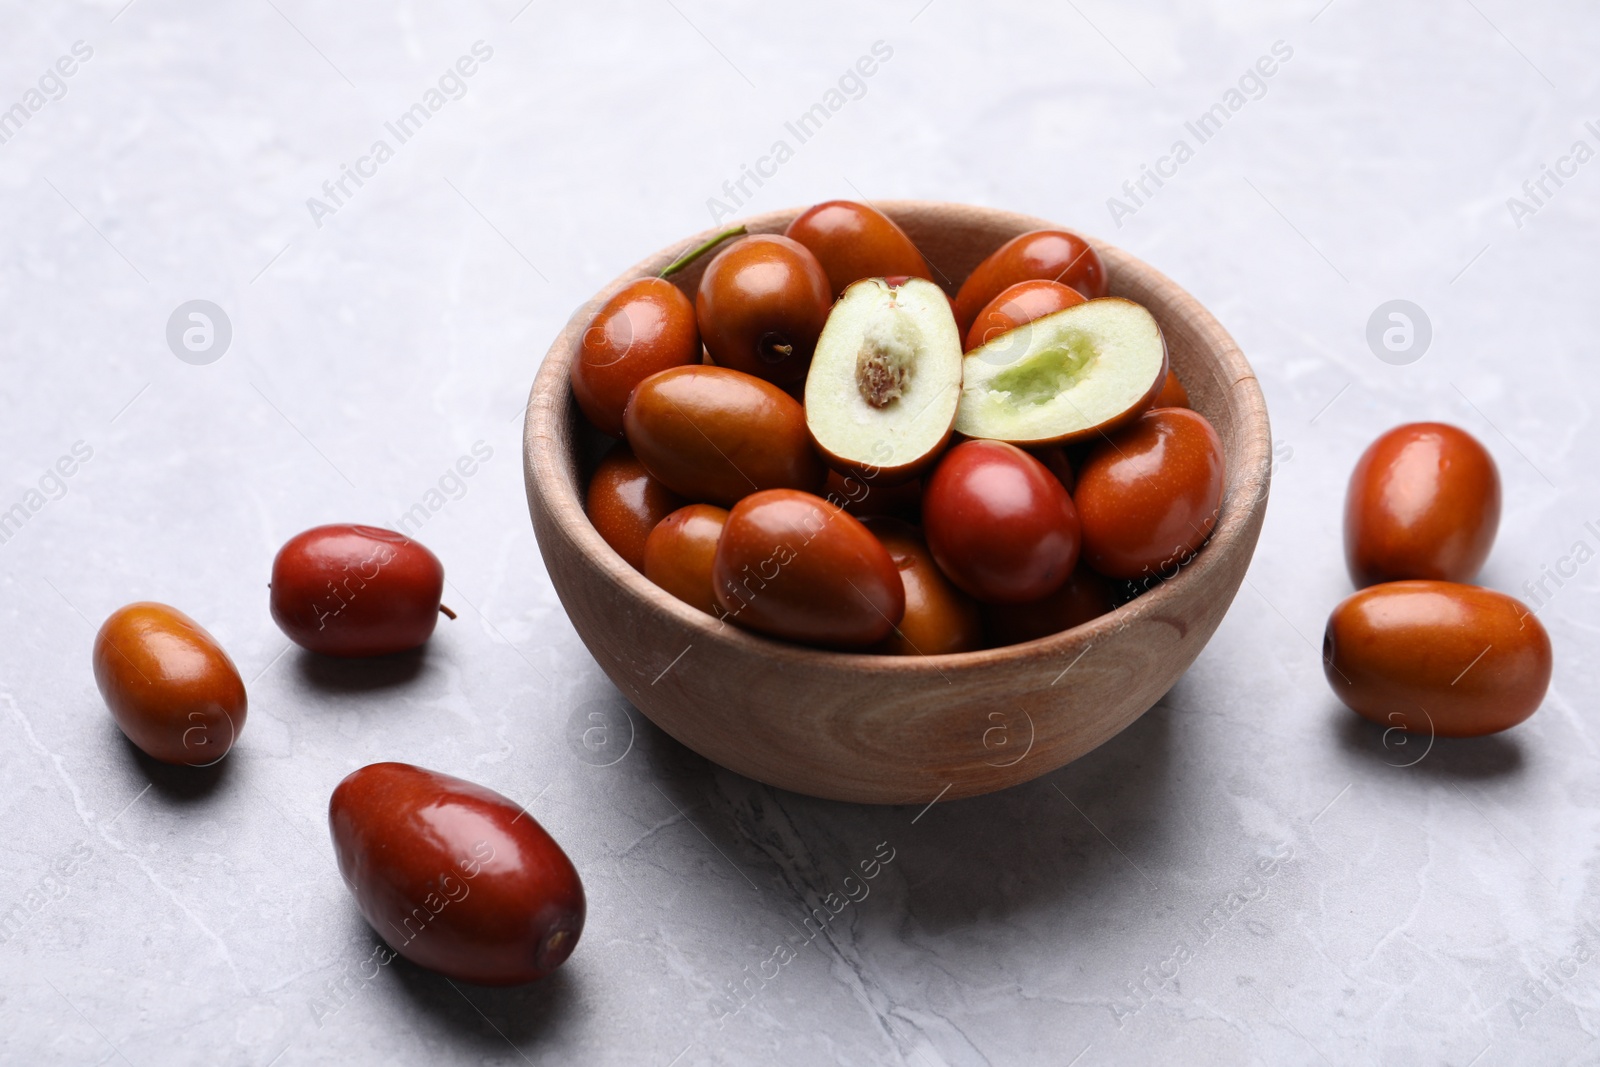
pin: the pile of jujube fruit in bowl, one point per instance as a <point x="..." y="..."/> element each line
<point x="824" y="446"/>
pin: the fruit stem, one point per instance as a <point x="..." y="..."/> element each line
<point x="699" y="250"/>
<point x="446" y="612"/>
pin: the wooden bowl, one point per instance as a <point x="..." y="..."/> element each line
<point x="889" y="729"/>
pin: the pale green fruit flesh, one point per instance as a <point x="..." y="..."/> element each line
<point x="1064" y="376"/>
<point x="886" y="376"/>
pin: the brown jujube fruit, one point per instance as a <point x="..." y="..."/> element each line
<point x="792" y="565"/>
<point x="455" y="877"/>
<point x="1173" y="394"/>
<point x="862" y="496"/>
<point x="171" y="688"/>
<point x="1437" y="658"/>
<point x="939" y="619"/>
<point x="1000" y="525"/>
<point x="854" y="241"/>
<point x="647" y="327"/>
<point x="1018" y="305"/>
<point x="1149" y="495"/>
<point x="625" y="502"/>
<point x="714" y="435"/>
<point x="1053" y="255"/>
<point x="351" y="590"/>
<point x="1423" y="502"/>
<point x="761" y="305"/>
<point x="1085" y="596"/>
<point x="680" y="551"/>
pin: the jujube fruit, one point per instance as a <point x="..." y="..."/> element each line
<point x="713" y="435"/>
<point x="1018" y="305"/>
<point x="679" y="553"/>
<point x="455" y="877"/>
<point x="171" y="688"/>
<point x="624" y="502"/>
<point x="761" y="305"/>
<point x="647" y="327"/>
<point x="1084" y="596"/>
<point x="999" y="524"/>
<point x="1423" y="502"/>
<point x="854" y="241"/>
<point x="794" y="566"/>
<point x="881" y="395"/>
<point x="1150" y="495"/>
<point x="1437" y="658"/>
<point x="1051" y="255"/>
<point x="939" y="618"/>
<point x="352" y="590"/>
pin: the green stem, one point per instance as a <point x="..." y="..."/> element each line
<point x="695" y="253"/>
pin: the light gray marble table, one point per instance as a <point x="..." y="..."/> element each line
<point x="1249" y="874"/>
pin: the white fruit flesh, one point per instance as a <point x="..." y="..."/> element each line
<point x="1064" y="376"/>
<point x="886" y="377"/>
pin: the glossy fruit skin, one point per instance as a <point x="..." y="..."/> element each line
<point x="680" y="551"/>
<point x="854" y="241"/>
<point x="999" y="524"/>
<point x="625" y="503"/>
<point x="1423" y="502"/>
<point x="455" y="877"/>
<point x="761" y="306"/>
<point x="714" y="435"/>
<point x="1085" y="596"/>
<point x="1018" y="305"/>
<point x="647" y="327"/>
<point x="171" y="688"/>
<point x="792" y="565"/>
<point x="939" y="619"/>
<point x="1149" y="496"/>
<point x="352" y="590"/>
<point x="1173" y="394"/>
<point x="1437" y="658"/>
<point x="864" y="497"/>
<point x="1054" y="255"/>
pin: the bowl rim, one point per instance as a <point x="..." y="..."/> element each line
<point x="550" y="475"/>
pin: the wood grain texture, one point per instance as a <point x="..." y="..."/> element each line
<point x="899" y="730"/>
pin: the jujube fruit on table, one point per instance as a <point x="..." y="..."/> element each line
<point x="455" y="877"/>
<point x="794" y="566"/>
<point x="625" y="502"/>
<point x="761" y="305"/>
<point x="352" y="590"/>
<point x="1423" y="502"/>
<point x="171" y="688"/>
<point x="999" y="524"/>
<point x="713" y="435"/>
<point x="1437" y="658"/>
<point x="1150" y="495"/>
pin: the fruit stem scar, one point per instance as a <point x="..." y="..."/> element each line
<point x="699" y="250"/>
<point x="774" y="349"/>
